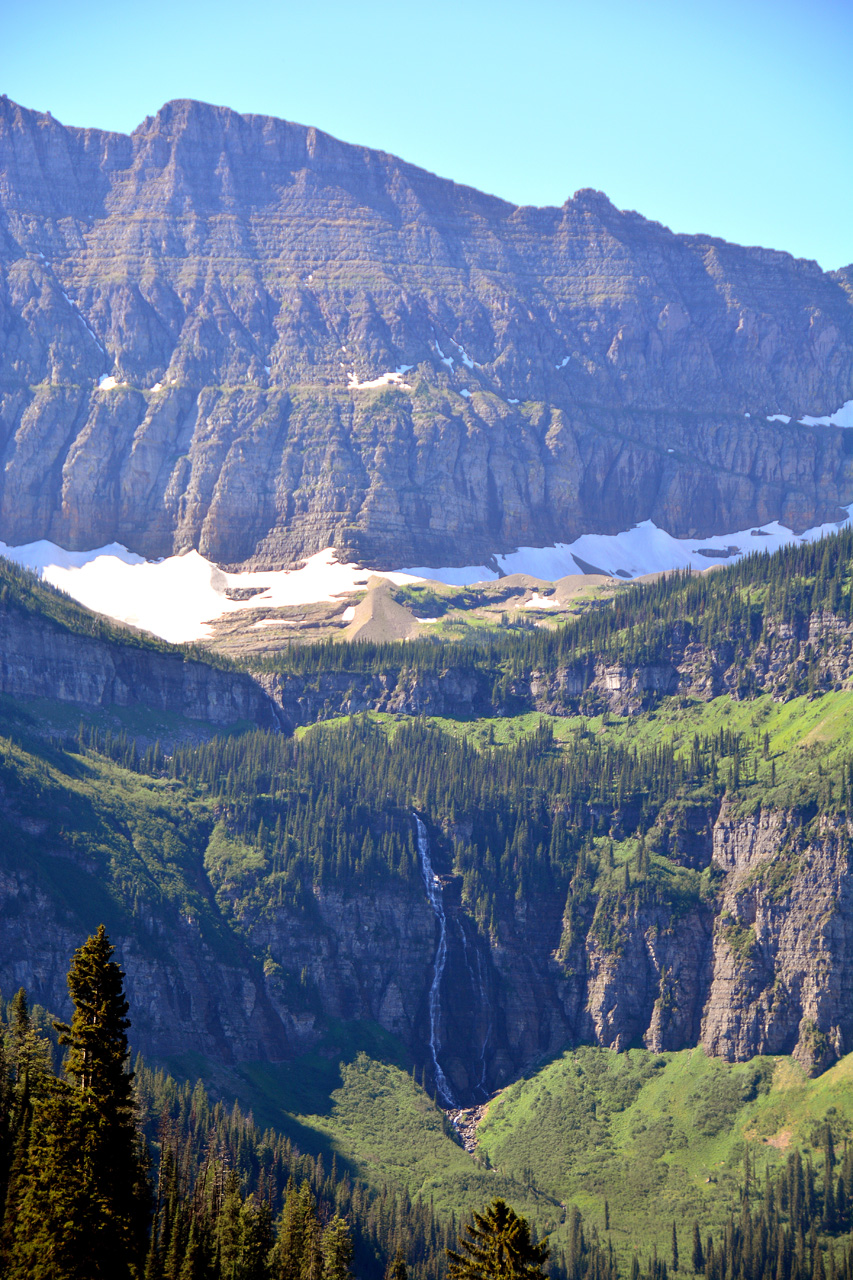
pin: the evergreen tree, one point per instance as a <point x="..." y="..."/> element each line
<point x="497" y="1246"/>
<point x="84" y="1200"/>
<point x="698" y="1257"/>
<point x="337" y="1250"/>
<point x="397" y="1269"/>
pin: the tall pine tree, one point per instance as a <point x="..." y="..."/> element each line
<point x="497" y="1246"/>
<point x="84" y="1200"/>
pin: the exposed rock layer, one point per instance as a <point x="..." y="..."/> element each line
<point x="779" y="664"/>
<point x="763" y="965"/>
<point x="235" y="278"/>
<point x="40" y="658"/>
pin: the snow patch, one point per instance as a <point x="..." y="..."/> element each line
<point x="448" y="360"/>
<point x="466" y="359"/>
<point x="107" y="382"/>
<point x="158" y="386"/>
<point x="394" y="379"/>
<point x="630" y="554"/>
<point x="540" y="602"/>
<point x="842" y="417"/>
<point x="177" y="598"/>
<point x="82" y="320"/>
<point x="512" y="401"/>
<point x="466" y="393"/>
<point x="563" y="362"/>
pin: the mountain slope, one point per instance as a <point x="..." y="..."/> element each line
<point x="52" y="648"/>
<point x="671" y="871"/>
<point x="238" y="334"/>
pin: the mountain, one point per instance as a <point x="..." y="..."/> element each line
<point x="240" y="335"/>
<point x="633" y="830"/>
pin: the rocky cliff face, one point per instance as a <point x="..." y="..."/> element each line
<point x="763" y="963"/>
<point x="780" y="982"/>
<point x="39" y="658"/>
<point x="778" y="664"/>
<point x="238" y="334"/>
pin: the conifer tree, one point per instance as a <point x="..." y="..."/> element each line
<point x="698" y="1257"/>
<point x="337" y="1250"/>
<point x="497" y="1246"/>
<point x="397" y="1269"/>
<point x="84" y="1202"/>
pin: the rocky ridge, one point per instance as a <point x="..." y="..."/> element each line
<point x="39" y="658"/>
<point x="779" y="664"/>
<point x="241" y="335"/>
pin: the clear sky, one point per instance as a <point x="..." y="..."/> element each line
<point x="733" y="117"/>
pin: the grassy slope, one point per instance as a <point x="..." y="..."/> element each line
<point x="803" y="734"/>
<point x="661" y="1137"/>
<point x="99" y="840"/>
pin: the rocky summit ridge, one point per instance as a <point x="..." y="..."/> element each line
<point x="241" y="335"/>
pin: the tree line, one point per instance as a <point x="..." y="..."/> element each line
<point x="731" y="611"/>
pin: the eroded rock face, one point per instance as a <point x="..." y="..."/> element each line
<point x="762" y="964"/>
<point x="184" y="995"/>
<point x="42" y="659"/>
<point x="782" y="981"/>
<point x="692" y="668"/>
<point x="234" y="277"/>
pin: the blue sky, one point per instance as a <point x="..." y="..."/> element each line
<point x="729" y="118"/>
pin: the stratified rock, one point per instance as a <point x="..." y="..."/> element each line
<point x="41" y="658"/>
<point x="782" y="981"/>
<point x="202" y="324"/>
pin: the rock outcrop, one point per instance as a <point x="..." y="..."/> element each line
<point x="763" y="963"/>
<point x="40" y="658"/>
<point x="778" y="664"/>
<point x="238" y="334"/>
<point x="781" y="983"/>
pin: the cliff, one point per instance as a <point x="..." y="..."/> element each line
<point x="241" y="335"/>
<point x="781" y="662"/>
<point x="52" y="649"/>
<point x="761" y="964"/>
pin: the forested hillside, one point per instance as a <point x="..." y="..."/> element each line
<point x="631" y="833"/>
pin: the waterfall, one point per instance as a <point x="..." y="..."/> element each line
<point x="433" y="889"/>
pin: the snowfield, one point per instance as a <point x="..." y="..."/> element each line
<point x="630" y="554"/>
<point x="179" y="597"/>
<point x="842" y="417"/>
